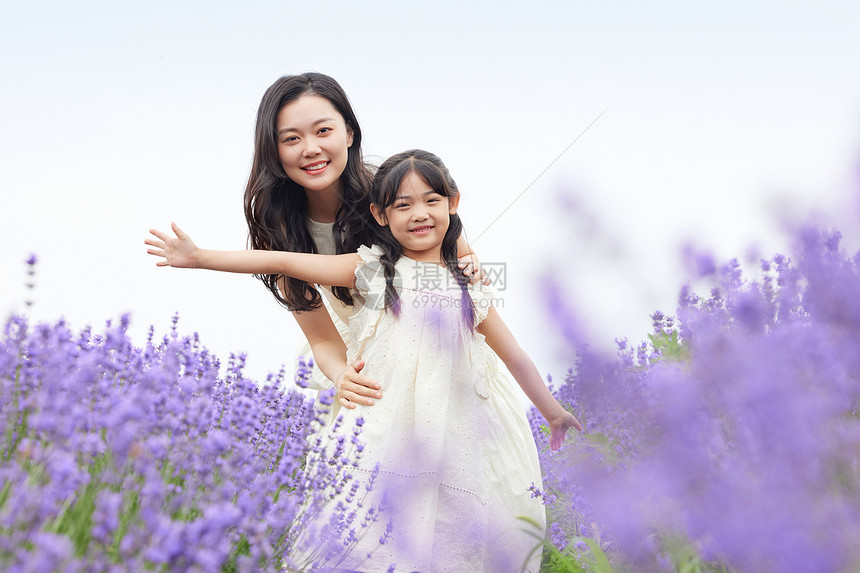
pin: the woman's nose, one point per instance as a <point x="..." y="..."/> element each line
<point x="312" y="147"/>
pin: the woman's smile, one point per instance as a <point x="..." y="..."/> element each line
<point x="316" y="168"/>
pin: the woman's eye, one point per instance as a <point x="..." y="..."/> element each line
<point x="290" y="139"/>
<point x="325" y="130"/>
<point x="401" y="205"/>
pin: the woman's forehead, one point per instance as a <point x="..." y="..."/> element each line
<point x="305" y="112"/>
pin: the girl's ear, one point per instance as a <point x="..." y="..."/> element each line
<point x="378" y="214"/>
<point x="453" y="203"/>
<point x="348" y="136"/>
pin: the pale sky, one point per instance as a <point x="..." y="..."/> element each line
<point x="719" y="121"/>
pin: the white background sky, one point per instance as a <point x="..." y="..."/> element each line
<point x="722" y="119"/>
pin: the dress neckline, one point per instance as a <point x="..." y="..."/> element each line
<point x="423" y="262"/>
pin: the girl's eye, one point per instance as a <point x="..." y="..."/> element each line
<point x="325" y="130"/>
<point x="401" y="205"/>
<point x="290" y="139"/>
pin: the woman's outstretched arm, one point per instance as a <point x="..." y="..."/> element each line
<point x="503" y="343"/>
<point x="181" y="252"/>
<point x="327" y="346"/>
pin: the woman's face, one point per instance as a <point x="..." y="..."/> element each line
<point x="313" y="143"/>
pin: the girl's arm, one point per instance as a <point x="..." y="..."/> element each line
<point x="503" y="343"/>
<point x="180" y="251"/>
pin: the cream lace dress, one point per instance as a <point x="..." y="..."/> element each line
<point x="450" y="435"/>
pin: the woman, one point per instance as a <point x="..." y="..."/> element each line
<point x="307" y="192"/>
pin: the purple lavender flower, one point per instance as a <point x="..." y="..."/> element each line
<point x="304" y="371"/>
<point x="741" y="447"/>
<point x="127" y="459"/>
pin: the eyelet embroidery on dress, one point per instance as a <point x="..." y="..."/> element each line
<point x="418" y="475"/>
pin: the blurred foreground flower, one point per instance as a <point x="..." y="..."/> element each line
<point x="730" y="440"/>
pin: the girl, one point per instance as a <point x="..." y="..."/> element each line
<point x="307" y="192"/>
<point x="451" y="438"/>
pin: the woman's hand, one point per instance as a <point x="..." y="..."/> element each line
<point x="353" y="388"/>
<point x="179" y="251"/>
<point x="559" y="426"/>
<point x="471" y="268"/>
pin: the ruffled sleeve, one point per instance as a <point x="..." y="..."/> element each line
<point x="370" y="285"/>
<point x="482" y="298"/>
<point x="369" y="274"/>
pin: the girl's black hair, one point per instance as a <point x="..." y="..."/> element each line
<point x="276" y="208"/>
<point x="383" y="193"/>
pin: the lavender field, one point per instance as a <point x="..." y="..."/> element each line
<point x="117" y="458"/>
<point x="727" y="441"/>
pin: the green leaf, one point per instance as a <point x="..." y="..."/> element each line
<point x="601" y="561"/>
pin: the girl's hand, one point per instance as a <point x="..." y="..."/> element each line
<point x="179" y="251"/>
<point x="559" y="426"/>
<point x="353" y="388"/>
<point x="472" y="269"/>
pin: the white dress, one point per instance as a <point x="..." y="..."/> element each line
<point x="450" y="435"/>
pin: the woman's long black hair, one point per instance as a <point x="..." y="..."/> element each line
<point x="276" y="208"/>
<point x="383" y="193"/>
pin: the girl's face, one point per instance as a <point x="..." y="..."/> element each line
<point x="313" y="143"/>
<point x="418" y="218"/>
